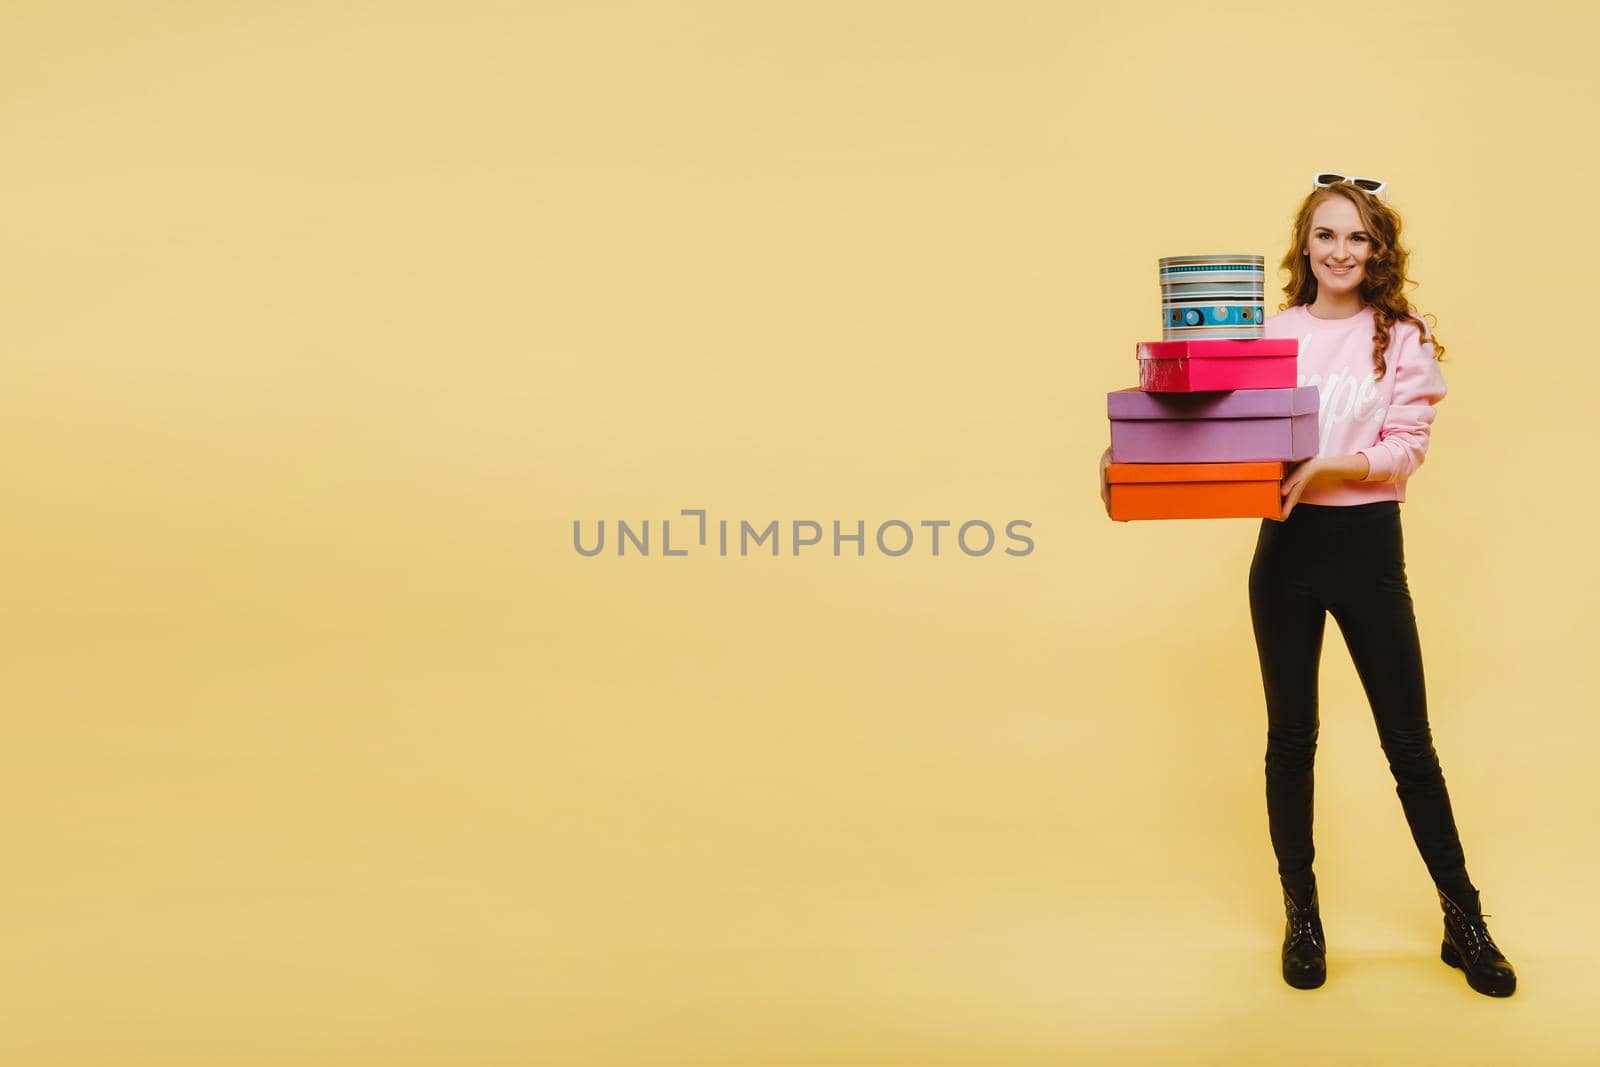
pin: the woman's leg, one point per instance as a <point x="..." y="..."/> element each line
<point x="1373" y="608"/>
<point x="1288" y="619"/>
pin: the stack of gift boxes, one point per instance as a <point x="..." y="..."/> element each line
<point x="1216" y="414"/>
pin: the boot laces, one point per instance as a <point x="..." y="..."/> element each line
<point x="1477" y="932"/>
<point x="1480" y="930"/>
<point x="1302" y="929"/>
<point x="1302" y="924"/>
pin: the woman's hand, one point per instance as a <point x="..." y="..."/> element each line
<point x="1105" y="489"/>
<point x="1354" y="467"/>
<point x="1295" y="480"/>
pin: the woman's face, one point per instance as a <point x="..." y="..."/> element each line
<point x="1338" y="247"/>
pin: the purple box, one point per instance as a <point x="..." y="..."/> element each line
<point x="1233" y="427"/>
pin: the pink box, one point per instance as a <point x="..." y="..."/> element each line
<point x="1217" y="365"/>
<point x="1233" y="427"/>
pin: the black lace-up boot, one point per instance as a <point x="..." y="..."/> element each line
<point x="1305" y="963"/>
<point x="1467" y="945"/>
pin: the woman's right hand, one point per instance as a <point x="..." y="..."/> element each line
<point x="1105" y="489"/>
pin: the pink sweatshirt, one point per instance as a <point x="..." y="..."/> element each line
<point x="1385" y="421"/>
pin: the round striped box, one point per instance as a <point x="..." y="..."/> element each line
<point x="1212" y="296"/>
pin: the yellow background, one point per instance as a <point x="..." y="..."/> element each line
<point x="323" y="322"/>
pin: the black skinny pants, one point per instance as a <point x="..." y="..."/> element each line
<point x="1349" y="561"/>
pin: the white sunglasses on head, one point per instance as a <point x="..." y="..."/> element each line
<point x="1371" y="186"/>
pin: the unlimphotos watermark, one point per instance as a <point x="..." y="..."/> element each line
<point x="892" y="537"/>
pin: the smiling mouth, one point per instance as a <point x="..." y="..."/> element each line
<point x="1341" y="270"/>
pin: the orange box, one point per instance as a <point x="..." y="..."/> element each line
<point x="1195" y="490"/>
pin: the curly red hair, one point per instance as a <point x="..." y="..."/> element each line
<point x="1383" y="281"/>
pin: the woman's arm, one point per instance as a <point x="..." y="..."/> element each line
<point x="1402" y="442"/>
<point x="1321" y="468"/>
<point x="1341" y="468"/>
<point x="1418" y="387"/>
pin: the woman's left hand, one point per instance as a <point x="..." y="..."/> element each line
<point x="1295" y="480"/>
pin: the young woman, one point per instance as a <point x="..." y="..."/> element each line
<point x="1337" y="549"/>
